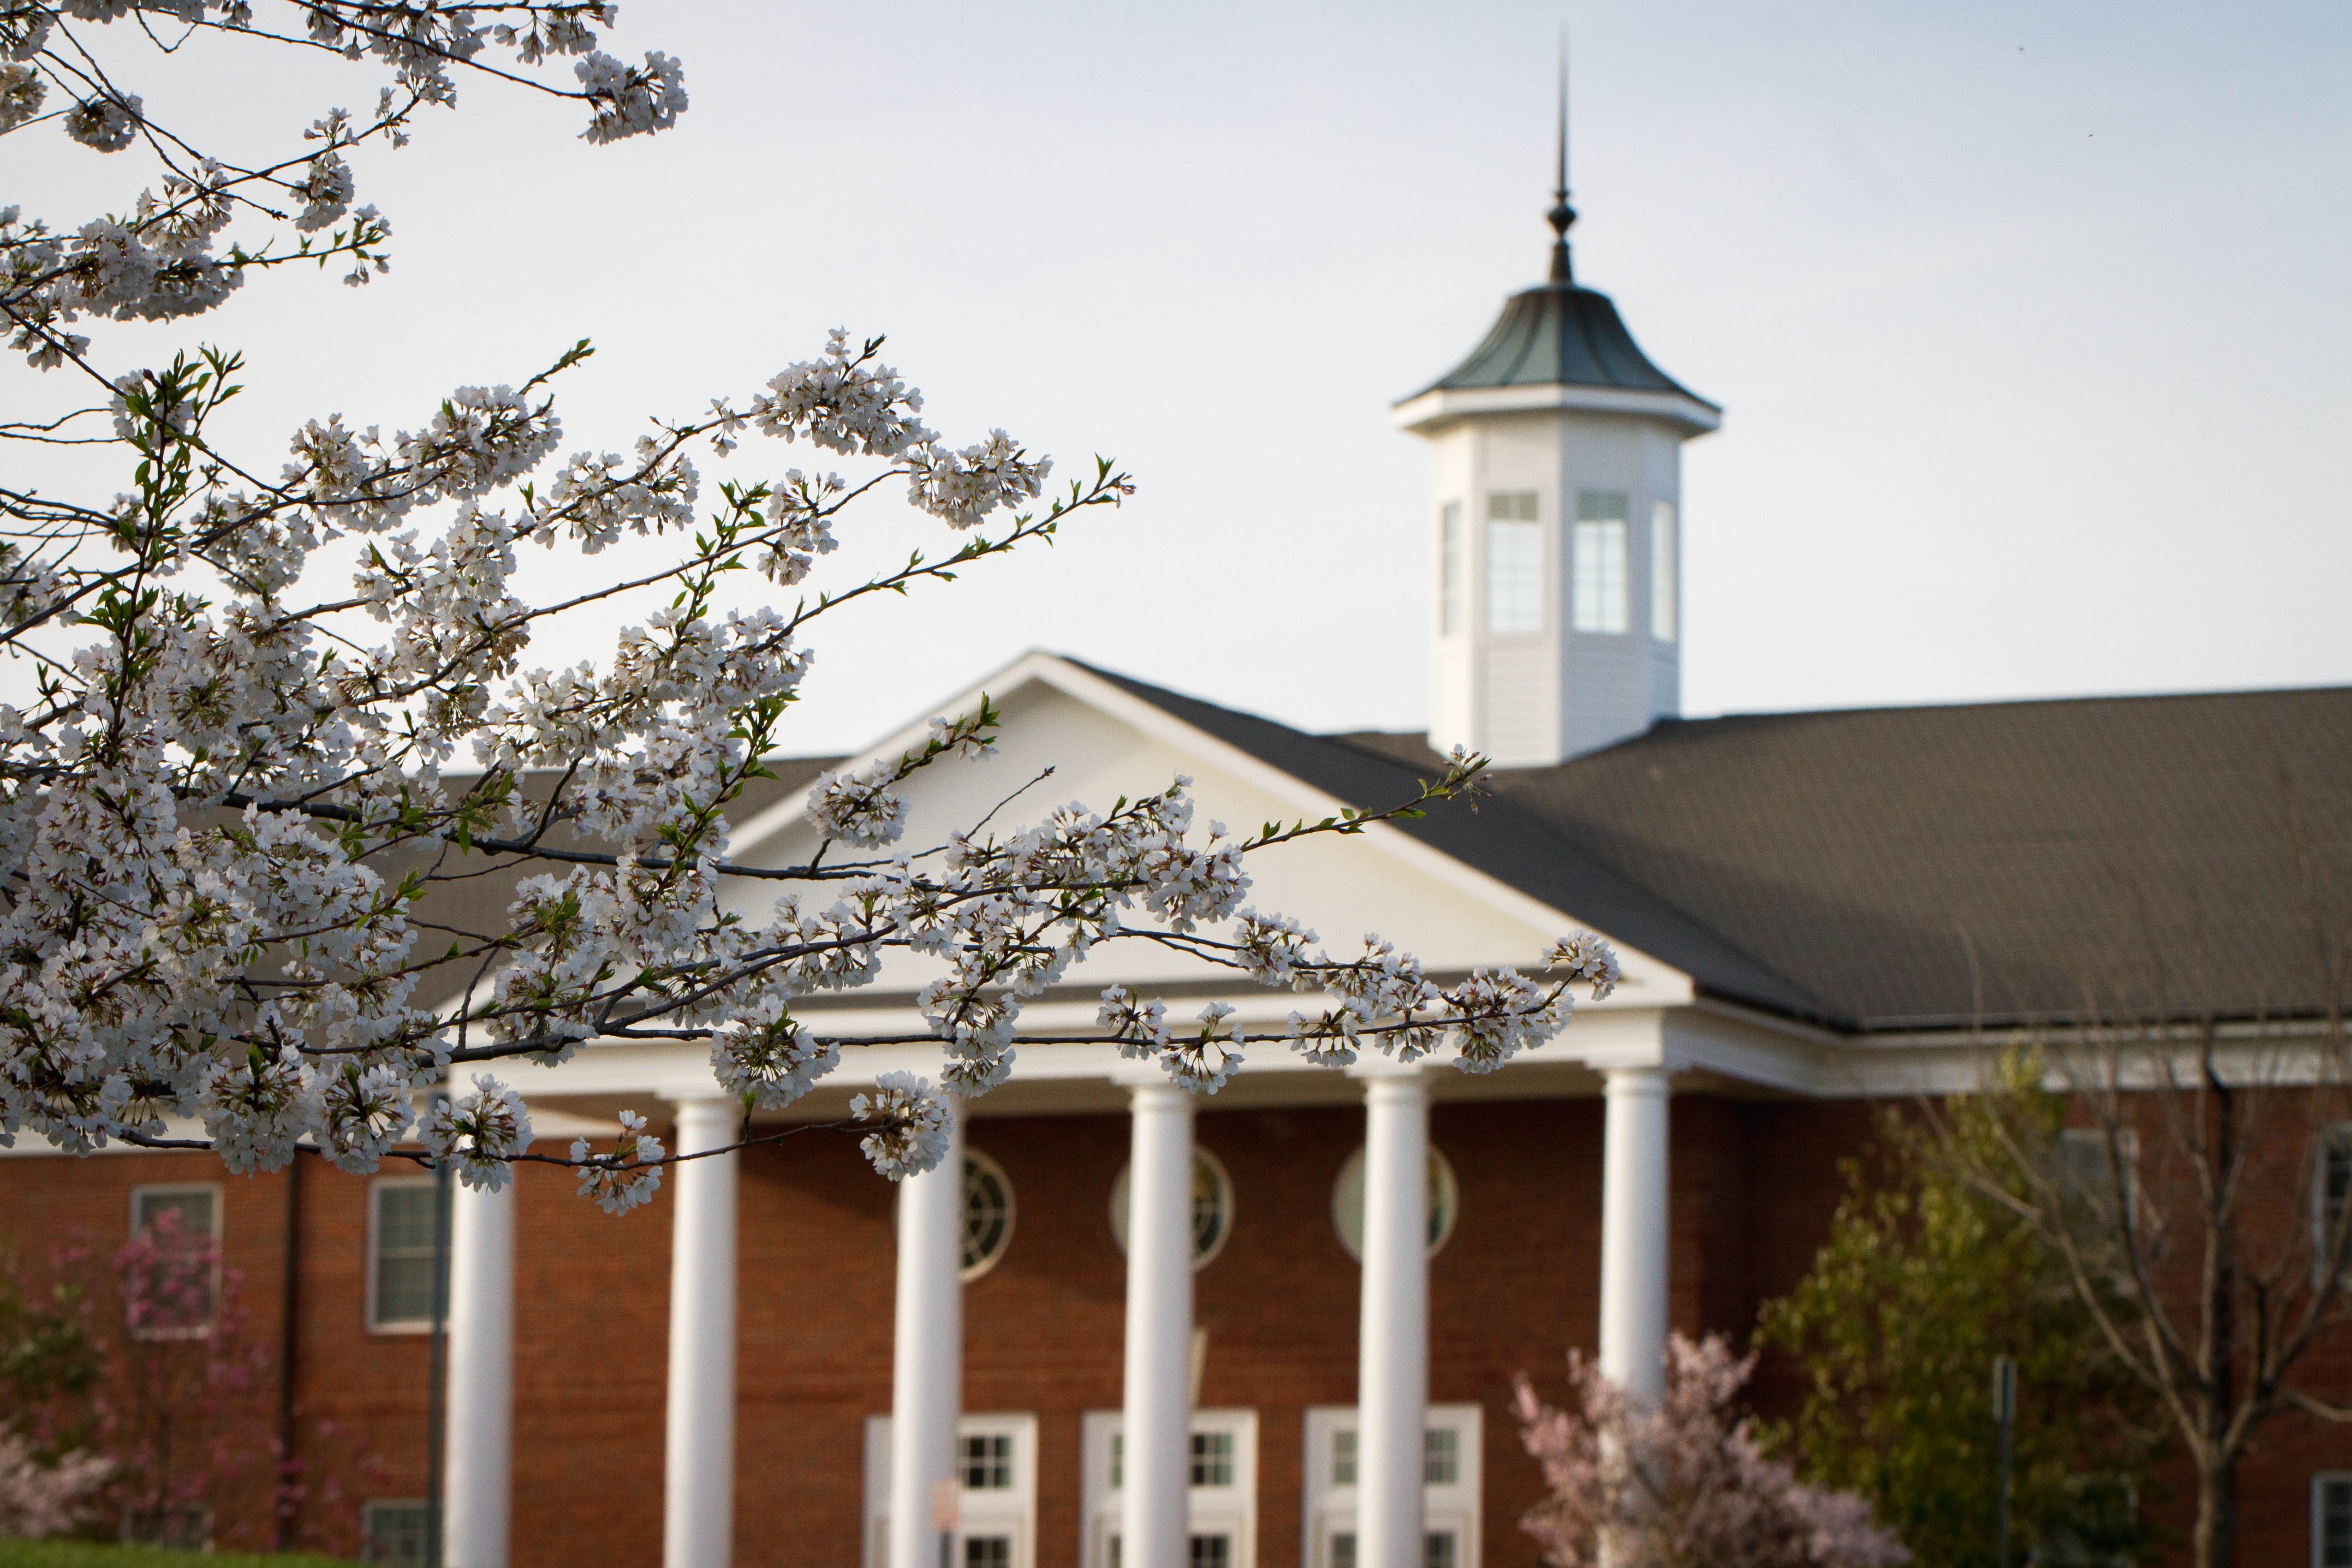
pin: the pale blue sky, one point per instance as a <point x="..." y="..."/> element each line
<point x="2030" y="322"/>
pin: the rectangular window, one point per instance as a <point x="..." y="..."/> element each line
<point x="1451" y="1498"/>
<point x="1212" y="1458"/>
<point x="995" y="1493"/>
<point x="394" y="1533"/>
<point x="1514" y="564"/>
<point x="1221" y="1496"/>
<point x="2085" y="1170"/>
<point x="177" y="1291"/>
<point x="986" y="1460"/>
<point x="2331" y="1521"/>
<point x="2331" y="1189"/>
<point x="1449" y="569"/>
<point x="1665" y="563"/>
<point x="402" y="1211"/>
<point x="1441" y="1457"/>
<point x="1597" y="563"/>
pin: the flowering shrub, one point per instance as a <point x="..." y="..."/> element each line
<point x="38" y="1499"/>
<point x="1683" y="1484"/>
<point x="227" y="782"/>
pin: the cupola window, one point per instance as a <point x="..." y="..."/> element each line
<point x="1664" y="562"/>
<point x="1597" y="562"/>
<point x="1449" y="569"/>
<point x="1514" y="564"/>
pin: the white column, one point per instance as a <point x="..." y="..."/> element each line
<point x="1158" y="1423"/>
<point x="1392" y="1364"/>
<point x="927" y="1354"/>
<point x="478" y="1464"/>
<point x="699" y="1462"/>
<point x="1633" y="1231"/>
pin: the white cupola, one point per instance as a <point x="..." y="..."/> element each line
<point x="1558" y="546"/>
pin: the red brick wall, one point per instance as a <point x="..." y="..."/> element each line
<point x="1515" y="1286"/>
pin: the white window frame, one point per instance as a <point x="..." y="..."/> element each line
<point x="1203" y="1159"/>
<point x="1453" y="569"/>
<point x="1329" y="1506"/>
<point x="975" y="1160"/>
<point x="175" y="1189"/>
<point x="367" y="1512"/>
<point x="2320" y="1481"/>
<point x="1665" y="571"/>
<point x="1601" y="604"/>
<point x="1230" y="1511"/>
<point x="1444" y="1191"/>
<point x="992" y="1510"/>
<point x="2335" y="1137"/>
<point x="1516" y="516"/>
<point x="394" y="1325"/>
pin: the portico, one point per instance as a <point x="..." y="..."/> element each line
<point x="1628" y="1064"/>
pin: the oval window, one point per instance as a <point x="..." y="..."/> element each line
<point x="1212" y="1207"/>
<point x="1347" y="1203"/>
<point x="987" y="1212"/>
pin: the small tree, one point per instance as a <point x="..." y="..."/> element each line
<point x="1922" y="1282"/>
<point x="1683" y="1485"/>
<point x="265" y="699"/>
<point x="2201" y="1207"/>
<point x="186" y="1416"/>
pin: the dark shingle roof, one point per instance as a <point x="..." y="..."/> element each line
<point x="1500" y="837"/>
<point x="1920" y="868"/>
<point x="1558" y="334"/>
<point x="478" y="886"/>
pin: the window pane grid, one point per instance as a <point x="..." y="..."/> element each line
<point x="1597" y="575"/>
<point x="1664" y="548"/>
<point x="1441" y="1457"/>
<point x="1343" y="1463"/>
<point x="2335" y="1522"/>
<point x="394" y="1534"/>
<point x="1514" y="578"/>
<point x="987" y="1212"/>
<point x="404" y="1214"/>
<point x="1449" y="569"/>
<point x="1212" y="1458"/>
<point x="986" y="1460"/>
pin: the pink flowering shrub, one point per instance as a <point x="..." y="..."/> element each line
<point x="1682" y="1485"/>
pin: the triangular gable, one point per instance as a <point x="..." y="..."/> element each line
<point x="1450" y="913"/>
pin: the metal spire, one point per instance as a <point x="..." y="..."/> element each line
<point x="1561" y="214"/>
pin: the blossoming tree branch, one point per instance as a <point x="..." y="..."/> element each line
<point x="234" y="765"/>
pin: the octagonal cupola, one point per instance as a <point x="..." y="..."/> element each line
<point x="1556" y="450"/>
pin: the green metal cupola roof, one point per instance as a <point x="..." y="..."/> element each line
<point x="1558" y="334"/>
<point x="1558" y="345"/>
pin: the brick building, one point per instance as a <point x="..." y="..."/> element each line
<point x="1121" y="1314"/>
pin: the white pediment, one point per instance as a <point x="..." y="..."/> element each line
<point x="1101" y="742"/>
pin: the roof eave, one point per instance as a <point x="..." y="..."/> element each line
<point x="1430" y="412"/>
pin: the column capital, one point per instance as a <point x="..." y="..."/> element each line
<point x="1374" y="1069"/>
<point x="714" y="1119"/>
<point x="1635" y="1078"/>
<point x="1147" y="1081"/>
